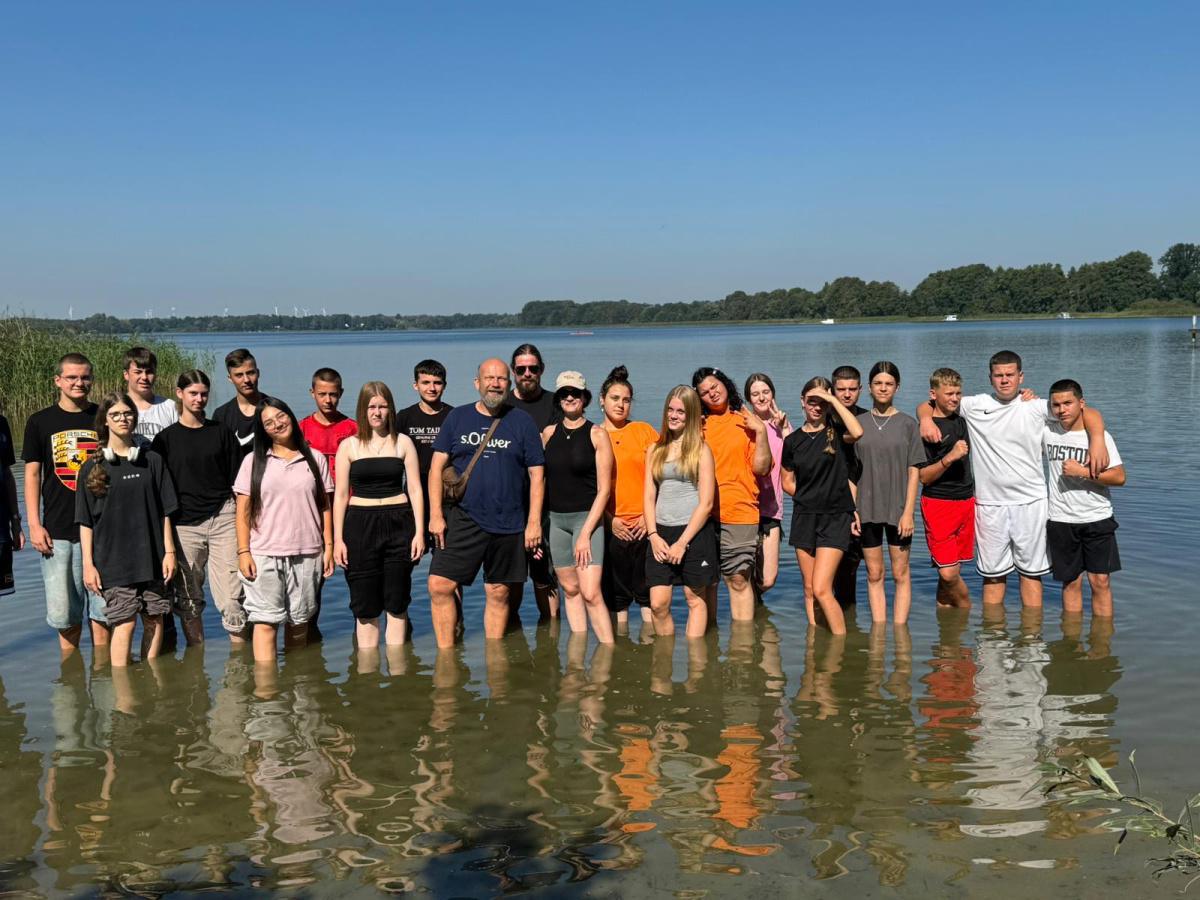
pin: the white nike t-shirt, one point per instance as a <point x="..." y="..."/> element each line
<point x="162" y="412"/>
<point x="1006" y="449"/>
<point x="1076" y="500"/>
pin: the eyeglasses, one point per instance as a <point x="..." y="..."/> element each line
<point x="275" y="422"/>
<point x="122" y="416"/>
<point x="527" y="370"/>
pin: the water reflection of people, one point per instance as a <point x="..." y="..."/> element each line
<point x="19" y="799"/>
<point x="1010" y="688"/>
<point x="948" y="705"/>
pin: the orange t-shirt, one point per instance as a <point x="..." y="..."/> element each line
<point x="629" y="454"/>
<point x="733" y="452"/>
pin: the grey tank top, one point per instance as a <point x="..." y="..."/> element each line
<point x="677" y="497"/>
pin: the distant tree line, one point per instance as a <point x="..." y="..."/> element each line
<point x="1127" y="283"/>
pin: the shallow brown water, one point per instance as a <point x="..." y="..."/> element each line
<point x="764" y="759"/>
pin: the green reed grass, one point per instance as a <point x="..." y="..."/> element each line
<point x="29" y="358"/>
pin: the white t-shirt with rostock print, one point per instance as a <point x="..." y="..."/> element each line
<point x="1006" y="449"/>
<point x="1076" y="500"/>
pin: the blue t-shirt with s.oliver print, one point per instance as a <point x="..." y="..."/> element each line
<point x="497" y="496"/>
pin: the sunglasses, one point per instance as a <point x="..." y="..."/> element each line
<point x="522" y="370"/>
<point x="571" y="394"/>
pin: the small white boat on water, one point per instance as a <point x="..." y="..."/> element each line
<point x="1064" y="315"/>
<point x="828" y="322"/>
<point x="950" y="318"/>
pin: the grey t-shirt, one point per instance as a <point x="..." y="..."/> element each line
<point x="886" y="453"/>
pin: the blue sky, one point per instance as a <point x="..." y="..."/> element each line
<point x="403" y="157"/>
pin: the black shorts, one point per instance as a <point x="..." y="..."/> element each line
<point x="701" y="565"/>
<point x="1075" y="549"/>
<point x="873" y="534"/>
<point x="468" y="547"/>
<point x="7" y="585"/>
<point x="541" y="569"/>
<point x="624" y="578"/>
<point x="379" y="559"/>
<point x="813" y="530"/>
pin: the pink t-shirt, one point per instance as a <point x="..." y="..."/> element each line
<point x="290" y="523"/>
<point x="770" y="486"/>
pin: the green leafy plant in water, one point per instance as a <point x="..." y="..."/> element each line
<point x="1088" y="778"/>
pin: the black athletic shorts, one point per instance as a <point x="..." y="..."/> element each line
<point x="468" y="547"/>
<point x="7" y="585"/>
<point x="701" y="565"/>
<point x="873" y="534"/>
<point x="624" y="578"/>
<point x="813" y="530"/>
<point x="379" y="556"/>
<point x="1075" y="549"/>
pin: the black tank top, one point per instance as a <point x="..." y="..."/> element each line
<point x="377" y="477"/>
<point x="570" y="469"/>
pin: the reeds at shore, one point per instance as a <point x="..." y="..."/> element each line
<point x="29" y="358"/>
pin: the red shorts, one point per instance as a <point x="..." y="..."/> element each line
<point x="949" y="530"/>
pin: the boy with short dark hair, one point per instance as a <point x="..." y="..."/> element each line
<point x="139" y="368"/>
<point x="239" y="414"/>
<point x="847" y="387"/>
<point x="423" y="420"/>
<point x="58" y="441"/>
<point x="326" y="428"/>
<point x="1081" y="532"/>
<point x="948" y="491"/>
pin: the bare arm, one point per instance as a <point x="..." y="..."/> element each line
<point x="437" y="521"/>
<point x="327" y="537"/>
<point x="245" y="560"/>
<point x="1114" y="477"/>
<point x="341" y="499"/>
<point x="1093" y="424"/>
<point x="907" y="523"/>
<point x="853" y="429"/>
<point x="935" y="470"/>
<point x="761" y="462"/>
<point x="708" y="494"/>
<point x="169" y="557"/>
<point x="416" y="492"/>
<point x="38" y="536"/>
<point x="604" y="469"/>
<point x="537" y="493"/>
<point x="91" y="575"/>
<point x="929" y="430"/>
<point x="787" y="480"/>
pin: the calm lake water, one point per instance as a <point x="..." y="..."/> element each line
<point x="763" y="759"/>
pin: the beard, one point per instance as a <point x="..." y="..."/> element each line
<point x="492" y="401"/>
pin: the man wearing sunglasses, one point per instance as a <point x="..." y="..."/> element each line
<point x="527" y="394"/>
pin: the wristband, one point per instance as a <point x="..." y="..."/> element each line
<point x="240" y="552"/>
<point x="651" y="533"/>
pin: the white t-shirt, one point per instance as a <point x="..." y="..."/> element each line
<point x="161" y="413"/>
<point x="1006" y="449"/>
<point x="1077" y="500"/>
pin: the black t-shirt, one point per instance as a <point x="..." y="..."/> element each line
<point x="822" y="479"/>
<point x="127" y="522"/>
<point x="7" y="460"/>
<point x="956" y="482"/>
<point x="230" y="415"/>
<point x="423" y="428"/>
<point x="61" y="442"/>
<point x="203" y="463"/>
<point x="544" y="411"/>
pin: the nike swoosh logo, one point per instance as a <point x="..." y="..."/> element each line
<point x="245" y="440"/>
<point x="704" y="564"/>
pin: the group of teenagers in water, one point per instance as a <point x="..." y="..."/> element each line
<point x="136" y="502"/>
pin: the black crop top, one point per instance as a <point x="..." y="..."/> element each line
<point x="377" y="477"/>
<point x="570" y="469"/>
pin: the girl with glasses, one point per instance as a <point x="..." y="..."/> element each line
<point x="123" y="512"/>
<point x="284" y="528"/>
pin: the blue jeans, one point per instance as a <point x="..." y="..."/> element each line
<point x="66" y="596"/>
